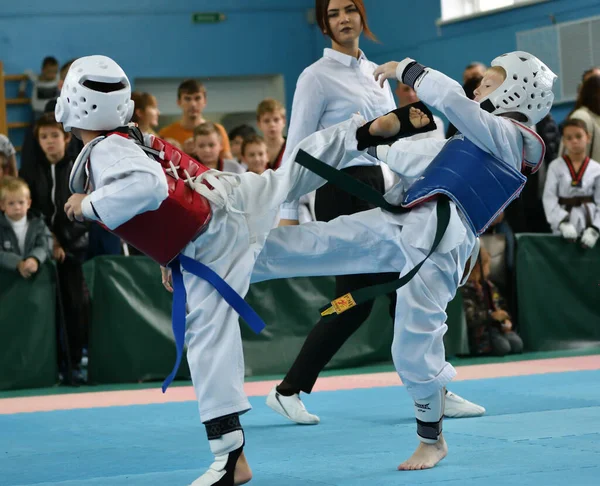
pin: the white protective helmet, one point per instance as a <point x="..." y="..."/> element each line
<point x="96" y="95"/>
<point x="527" y="88"/>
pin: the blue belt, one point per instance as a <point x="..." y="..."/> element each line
<point x="179" y="299"/>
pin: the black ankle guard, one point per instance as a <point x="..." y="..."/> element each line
<point x="366" y="140"/>
<point x="218" y="427"/>
<point x="429" y="430"/>
<point x="232" y="460"/>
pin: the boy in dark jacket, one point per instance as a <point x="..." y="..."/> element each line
<point x="50" y="191"/>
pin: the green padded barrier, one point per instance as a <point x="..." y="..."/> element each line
<point x="28" y="330"/>
<point x="131" y="337"/>
<point x="558" y="293"/>
<point x="130" y="332"/>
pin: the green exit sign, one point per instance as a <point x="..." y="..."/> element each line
<point x="207" y="17"/>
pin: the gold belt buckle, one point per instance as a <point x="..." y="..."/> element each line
<point x="339" y="305"/>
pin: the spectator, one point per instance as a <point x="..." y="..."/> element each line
<point x="64" y="69"/>
<point x="593" y="71"/>
<point x="587" y="108"/>
<point x="191" y="98"/>
<point x="45" y="86"/>
<point x="588" y="73"/>
<point x="572" y="192"/>
<point x="530" y="201"/>
<point x="50" y="191"/>
<point x="32" y="154"/>
<point x="8" y="159"/>
<point x="254" y="154"/>
<point x="548" y="129"/>
<point x="501" y="227"/>
<point x="489" y="324"/>
<point x="146" y="112"/>
<point x="24" y="239"/>
<point x="406" y="96"/>
<point x="236" y="138"/>
<point x="474" y="70"/>
<point x="208" y="147"/>
<point x="270" y="117"/>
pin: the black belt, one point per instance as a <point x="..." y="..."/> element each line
<point x="363" y="191"/>
<point x="577" y="201"/>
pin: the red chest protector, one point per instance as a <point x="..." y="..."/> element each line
<point x="182" y="216"/>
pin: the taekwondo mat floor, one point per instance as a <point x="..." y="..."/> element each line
<point x="542" y="427"/>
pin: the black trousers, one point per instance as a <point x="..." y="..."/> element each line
<point x="326" y="338"/>
<point x="75" y="306"/>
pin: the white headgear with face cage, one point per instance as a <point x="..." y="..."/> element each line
<point x="96" y="95"/>
<point x="527" y="88"/>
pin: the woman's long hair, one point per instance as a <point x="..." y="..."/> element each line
<point x="589" y="96"/>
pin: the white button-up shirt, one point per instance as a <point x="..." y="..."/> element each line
<point x="330" y="91"/>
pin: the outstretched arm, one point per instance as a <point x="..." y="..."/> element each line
<point x="491" y="133"/>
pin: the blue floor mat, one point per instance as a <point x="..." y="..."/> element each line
<point x="538" y="430"/>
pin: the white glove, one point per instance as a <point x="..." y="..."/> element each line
<point x="568" y="231"/>
<point x="589" y="237"/>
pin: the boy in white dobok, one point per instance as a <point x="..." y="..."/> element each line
<point x="458" y="186"/>
<point x="211" y="224"/>
<point x="572" y="190"/>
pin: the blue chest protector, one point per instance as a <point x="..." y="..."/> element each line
<point x="480" y="184"/>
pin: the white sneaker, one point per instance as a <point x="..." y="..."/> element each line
<point x="458" y="407"/>
<point x="291" y="408"/>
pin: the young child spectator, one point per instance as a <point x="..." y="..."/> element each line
<point x="50" y="191"/>
<point x="236" y="137"/>
<point x="8" y="159"/>
<point x="146" y="112"/>
<point x="208" y="145"/>
<point x="31" y="153"/>
<point x="24" y="239"/>
<point x="270" y="117"/>
<point x="254" y="154"/>
<point x="191" y="98"/>
<point x="572" y="191"/>
<point x="489" y="324"/>
<point x="62" y="74"/>
<point x="45" y="85"/>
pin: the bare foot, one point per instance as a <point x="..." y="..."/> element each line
<point x="426" y="456"/>
<point x="389" y="125"/>
<point x="417" y="118"/>
<point x="242" y="473"/>
<point x="385" y="126"/>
